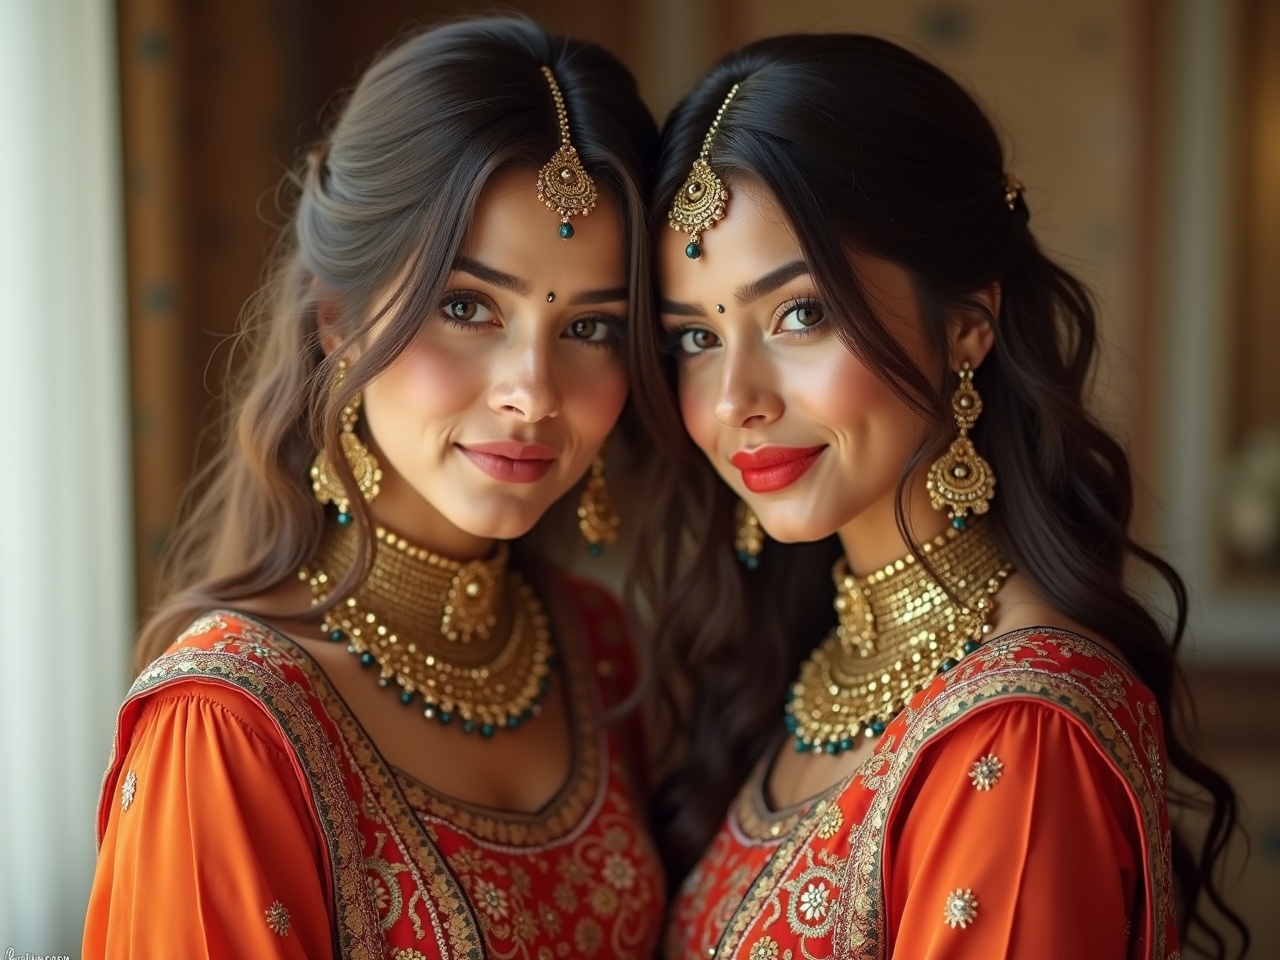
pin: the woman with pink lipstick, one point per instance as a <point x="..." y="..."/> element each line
<point x="372" y="719"/>
<point x="867" y="371"/>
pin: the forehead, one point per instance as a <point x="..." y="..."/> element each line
<point x="754" y="238"/>
<point x="514" y="231"/>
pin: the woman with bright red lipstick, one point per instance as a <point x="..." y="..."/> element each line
<point x="964" y="749"/>
<point x="374" y="721"/>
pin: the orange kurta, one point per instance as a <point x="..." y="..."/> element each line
<point x="247" y="814"/>
<point x="1064" y="854"/>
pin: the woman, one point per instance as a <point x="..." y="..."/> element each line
<point x="377" y="727"/>
<point x="965" y="755"/>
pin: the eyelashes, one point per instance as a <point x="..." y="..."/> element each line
<point x="796" y="318"/>
<point x="473" y="311"/>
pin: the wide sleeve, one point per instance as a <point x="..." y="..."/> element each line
<point x="207" y="846"/>
<point x="1014" y="838"/>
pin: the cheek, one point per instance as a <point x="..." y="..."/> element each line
<point x="428" y="381"/>
<point x="697" y="396"/>
<point x="598" y="398"/>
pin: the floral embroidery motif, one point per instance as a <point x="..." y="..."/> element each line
<point x="831" y="822"/>
<point x="128" y="789"/>
<point x="491" y="900"/>
<point x="588" y="936"/>
<point x="813" y="902"/>
<point x="580" y="881"/>
<point x="619" y="872"/>
<point x="746" y="885"/>
<point x="811" y="906"/>
<point x="961" y="909"/>
<point x="986" y="773"/>
<point x="278" y="919"/>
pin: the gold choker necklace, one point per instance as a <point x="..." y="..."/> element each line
<point x="470" y="639"/>
<point x="898" y="629"/>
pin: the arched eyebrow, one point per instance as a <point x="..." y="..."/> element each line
<point x="747" y="293"/>
<point x="771" y="281"/>
<point x="488" y="274"/>
<point x="523" y="288"/>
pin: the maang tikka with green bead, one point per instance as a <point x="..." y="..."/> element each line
<point x="563" y="183"/>
<point x="700" y="201"/>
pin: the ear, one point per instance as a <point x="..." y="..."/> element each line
<point x="327" y="313"/>
<point x="970" y="336"/>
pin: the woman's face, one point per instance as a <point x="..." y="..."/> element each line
<point x="514" y="381"/>
<point x="796" y="425"/>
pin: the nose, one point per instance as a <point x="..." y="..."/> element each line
<point x="524" y="382"/>
<point x="747" y="396"/>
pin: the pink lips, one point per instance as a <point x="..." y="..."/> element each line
<point x="769" y="469"/>
<point x="510" y="460"/>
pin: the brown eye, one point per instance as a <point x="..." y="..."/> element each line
<point x="696" y="340"/>
<point x="464" y="310"/>
<point x="802" y="316"/>
<point x="593" y="330"/>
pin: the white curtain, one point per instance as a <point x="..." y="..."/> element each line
<point x="65" y="560"/>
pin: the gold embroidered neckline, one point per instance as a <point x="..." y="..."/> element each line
<point x="899" y="627"/>
<point x="581" y="790"/>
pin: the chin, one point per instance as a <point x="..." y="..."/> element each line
<point x="504" y="522"/>
<point x="791" y="529"/>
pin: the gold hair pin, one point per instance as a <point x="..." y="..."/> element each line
<point x="700" y="202"/>
<point x="564" y="184"/>
<point x="1012" y="190"/>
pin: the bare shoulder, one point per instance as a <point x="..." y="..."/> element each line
<point x="1020" y="605"/>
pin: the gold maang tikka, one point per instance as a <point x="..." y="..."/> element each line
<point x="700" y="202"/>
<point x="564" y="184"/>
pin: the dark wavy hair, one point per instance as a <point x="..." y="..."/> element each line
<point x="393" y="185"/>
<point x="868" y="147"/>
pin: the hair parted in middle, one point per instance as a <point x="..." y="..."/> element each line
<point x="383" y="204"/>
<point x="870" y="149"/>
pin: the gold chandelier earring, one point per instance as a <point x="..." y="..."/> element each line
<point x="960" y="480"/>
<point x="748" y="536"/>
<point x="597" y="519"/>
<point x="325" y="482"/>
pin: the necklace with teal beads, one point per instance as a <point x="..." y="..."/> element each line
<point x="466" y="643"/>
<point x="899" y="628"/>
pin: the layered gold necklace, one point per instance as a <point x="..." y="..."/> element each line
<point x="898" y="629"/>
<point x="466" y="642"/>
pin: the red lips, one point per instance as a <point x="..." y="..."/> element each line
<point x="769" y="469"/>
<point x="510" y="460"/>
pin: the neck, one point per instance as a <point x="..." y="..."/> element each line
<point x="871" y="540"/>
<point x="401" y="508"/>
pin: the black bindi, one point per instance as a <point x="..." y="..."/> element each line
<point x="719" y="308"/>
<point x="551" y="298"/>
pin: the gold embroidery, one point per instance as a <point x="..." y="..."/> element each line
<point x="246" y="655"/>
<point x="128" y="789"/>
<point x="740" y="892"/>
<point x="986" y="773"/>
<point x="961" y="909"/>
<point x="812" y="901"/>
<point x="1026" y="663"/>
<point x="766" y="948"/>
<point x="831" y="822"/>
<point x="408" y="953"/>
<point x="278" y="919"/>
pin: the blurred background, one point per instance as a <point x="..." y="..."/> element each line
<point x="144" y="145"/>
